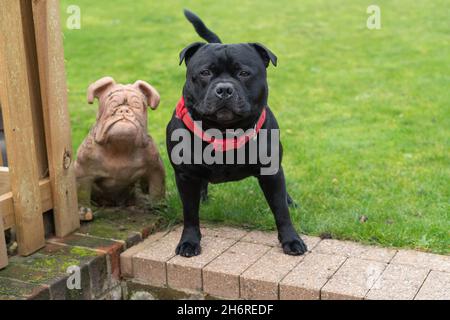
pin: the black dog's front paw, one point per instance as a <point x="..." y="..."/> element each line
<point x="292" y="244"/>
<point x="295" y="247"/>
<point x="188" y="249"/>
<point x="189" y="245"/>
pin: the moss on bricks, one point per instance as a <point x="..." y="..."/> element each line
<point x="48" y="268"/>
<point x="12" y="289"/>
<point x="43" y="275"/>
<point x="83" y="252"/>
<point x="121" y="223"/>
<point x="27" y="274"/>
<point x="84" y="241"/>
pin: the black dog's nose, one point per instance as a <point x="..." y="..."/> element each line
<point x="224" y="90"/>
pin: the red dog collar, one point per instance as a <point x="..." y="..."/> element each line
<point x="218" y="144"/>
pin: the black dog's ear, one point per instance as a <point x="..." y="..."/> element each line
<point x="265" y="53"/>
<point x="189" y="51"/>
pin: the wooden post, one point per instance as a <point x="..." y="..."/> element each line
<point x="15" y="96"/>
<point x="50" y="53"/>
<point x="3" y="250"/>
<point x="5" y="186"/>
<point x="35" y="89"/>
<point x="1" y="135"/>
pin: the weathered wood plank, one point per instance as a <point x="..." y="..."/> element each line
<point x="3" y="252"/>
<point x="2" y="138"/>
<point x="35" y="90"/>
<point x="18" y="123"/>
<point x="7" y="207"/>
<point x="5" y="186"/>
<point x="52" y="76"/>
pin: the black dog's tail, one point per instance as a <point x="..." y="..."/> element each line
<point x="200" y="27"/>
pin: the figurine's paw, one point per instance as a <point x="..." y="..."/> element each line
<point x="85" y="214"/>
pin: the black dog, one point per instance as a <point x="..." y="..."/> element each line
<point x="226" y="88"/>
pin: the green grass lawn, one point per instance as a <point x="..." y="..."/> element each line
<point x="365" y="114"/>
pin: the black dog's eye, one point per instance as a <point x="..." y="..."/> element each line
<point x="244" y="74"/>
<point x="205" y="73"/>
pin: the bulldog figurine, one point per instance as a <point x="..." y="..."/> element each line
<point x="118" y="154"/>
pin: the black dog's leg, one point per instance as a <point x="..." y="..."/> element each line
<point x="291" y="203"/>
<point x="204" y="191"/>
<point x="274" y="188"/>
<point x="189" y="190"/>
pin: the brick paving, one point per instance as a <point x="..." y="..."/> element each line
<point x="240" y="264"/>
<point x="95" y="249"/>
<point x="185" y="273"/>
<point x="221" y="277"/>
<point x="307" y="279"/>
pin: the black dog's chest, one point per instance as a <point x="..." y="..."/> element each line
<point x="225" y="173"/>
<point x="218" y="172"/>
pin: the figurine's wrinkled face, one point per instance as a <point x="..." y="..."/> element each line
<point x="122" y="114"/>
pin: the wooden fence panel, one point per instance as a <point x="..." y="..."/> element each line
<point x="52" y="75"/>
<point x="6" y="203"/>
<point x="15" y="97"/>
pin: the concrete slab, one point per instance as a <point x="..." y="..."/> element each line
<point x="398" y="282"/>
<point x="260" y="281"/>
<point x="271" y="239"/>
<point x="126" y="257"/>
<point x="435" y="287"/>
<point x="423" y="260"/>
<point x="262" y="237"/>
<point x="353" y="279"/>
<point x="149" y="265"/>
<point x="221" y="277"/>
<point x="306" y="280"/>
<point x="238" y="264"/>
<point x="223" y="232"/>
<point x="186" y="273"/>
<point x="355" y="250"/>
